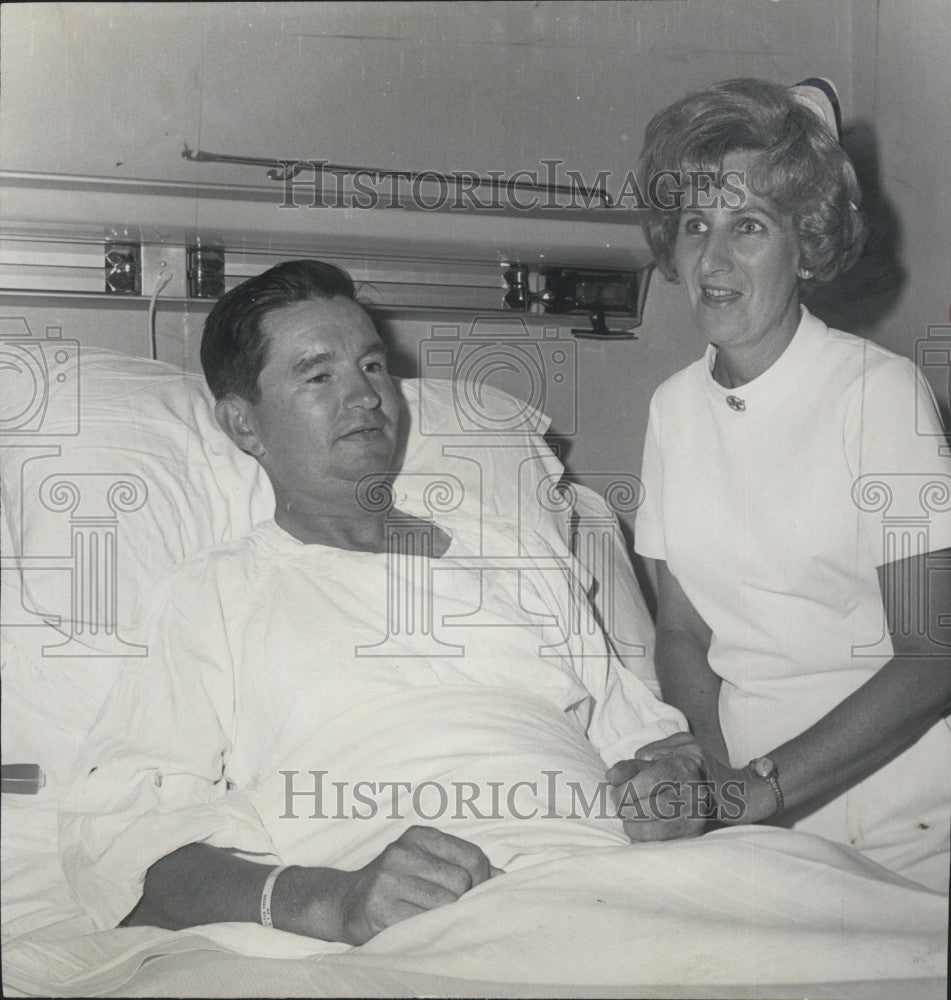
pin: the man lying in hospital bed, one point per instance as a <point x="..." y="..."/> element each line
<point x="304" y="704"/>
<point x="273" y="672"/>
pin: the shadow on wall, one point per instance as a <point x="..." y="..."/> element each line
<point x="859" y="299"/>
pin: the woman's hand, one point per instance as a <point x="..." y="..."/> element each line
<point x="660" y="794"/>
<point x="680" y="744"/>
<point x="721" y="793"/>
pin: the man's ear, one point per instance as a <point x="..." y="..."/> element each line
<point x="235" y="418"/>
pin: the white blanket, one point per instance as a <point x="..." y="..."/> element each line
<point x="258" y="672"/>
<point x="747" y="905"/>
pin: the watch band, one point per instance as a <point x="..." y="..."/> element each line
<point x="765" y="770"/>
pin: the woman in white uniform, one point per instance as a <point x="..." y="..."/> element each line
<point x="797" y="510"/>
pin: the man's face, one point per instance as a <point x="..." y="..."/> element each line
<point x="328" y="411"/>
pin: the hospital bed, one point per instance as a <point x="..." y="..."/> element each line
<point x="128" y="475"/>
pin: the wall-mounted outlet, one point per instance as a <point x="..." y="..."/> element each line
<point x="159" y="260"/>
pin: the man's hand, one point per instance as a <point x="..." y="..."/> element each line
<point x="420" y="871"/>
<point x="200" y="884"/>
<point x="660" y="793"/>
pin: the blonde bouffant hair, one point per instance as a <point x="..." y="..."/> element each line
<point x="801" y="168"/>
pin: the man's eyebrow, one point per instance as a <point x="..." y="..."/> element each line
<point x="310" y="361"/>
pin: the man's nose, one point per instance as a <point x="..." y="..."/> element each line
<point x="361" y="392"/>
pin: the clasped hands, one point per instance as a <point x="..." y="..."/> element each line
<point x="673" y="789"/>
<point x="661" y="794"/>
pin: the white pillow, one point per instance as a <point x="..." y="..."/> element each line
<point x="132" y="473"/>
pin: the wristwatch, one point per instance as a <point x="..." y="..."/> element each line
<point x="765" y="769"/>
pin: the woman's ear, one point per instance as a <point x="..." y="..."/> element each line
<point x="235" y="418"/>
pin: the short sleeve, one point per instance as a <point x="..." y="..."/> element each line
<point x="649" y="525"/>
<point x="900" y="462"/>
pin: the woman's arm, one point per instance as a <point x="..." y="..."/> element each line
<point x="686" y="679"/>
<point x="883" y="716"/>
<point x="200" y="884"/>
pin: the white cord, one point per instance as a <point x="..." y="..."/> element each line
<point x="160" y="283"/>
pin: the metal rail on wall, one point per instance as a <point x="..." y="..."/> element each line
<point x="286" y="170"/>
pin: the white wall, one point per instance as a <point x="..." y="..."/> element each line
<point x="117" y="89"/>
<point x="912" y="98"/>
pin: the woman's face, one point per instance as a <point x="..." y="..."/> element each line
<point x="738" y="267"/>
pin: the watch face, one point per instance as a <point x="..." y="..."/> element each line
<point x="762" y="766"/>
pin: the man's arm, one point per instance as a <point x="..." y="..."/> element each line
<point x="200" y="884"/>
<point x="652" y="794"/>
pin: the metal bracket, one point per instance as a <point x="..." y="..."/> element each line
<point x="600" y="331"/>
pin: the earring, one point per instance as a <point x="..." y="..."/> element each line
<point x="805" y="273"/>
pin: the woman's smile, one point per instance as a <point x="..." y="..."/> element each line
<point x="719" y="296"/>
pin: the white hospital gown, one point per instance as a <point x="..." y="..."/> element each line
<point x="754" y="512"/>
<point x="280" y="671"/>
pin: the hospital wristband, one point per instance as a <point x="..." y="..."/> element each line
<point x="266" y="894"/>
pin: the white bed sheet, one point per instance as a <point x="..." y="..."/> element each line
<point x="748" y="905"/>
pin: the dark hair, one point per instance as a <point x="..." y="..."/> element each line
<point x="233" y="345"/>
<point x="802" y="169"/>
